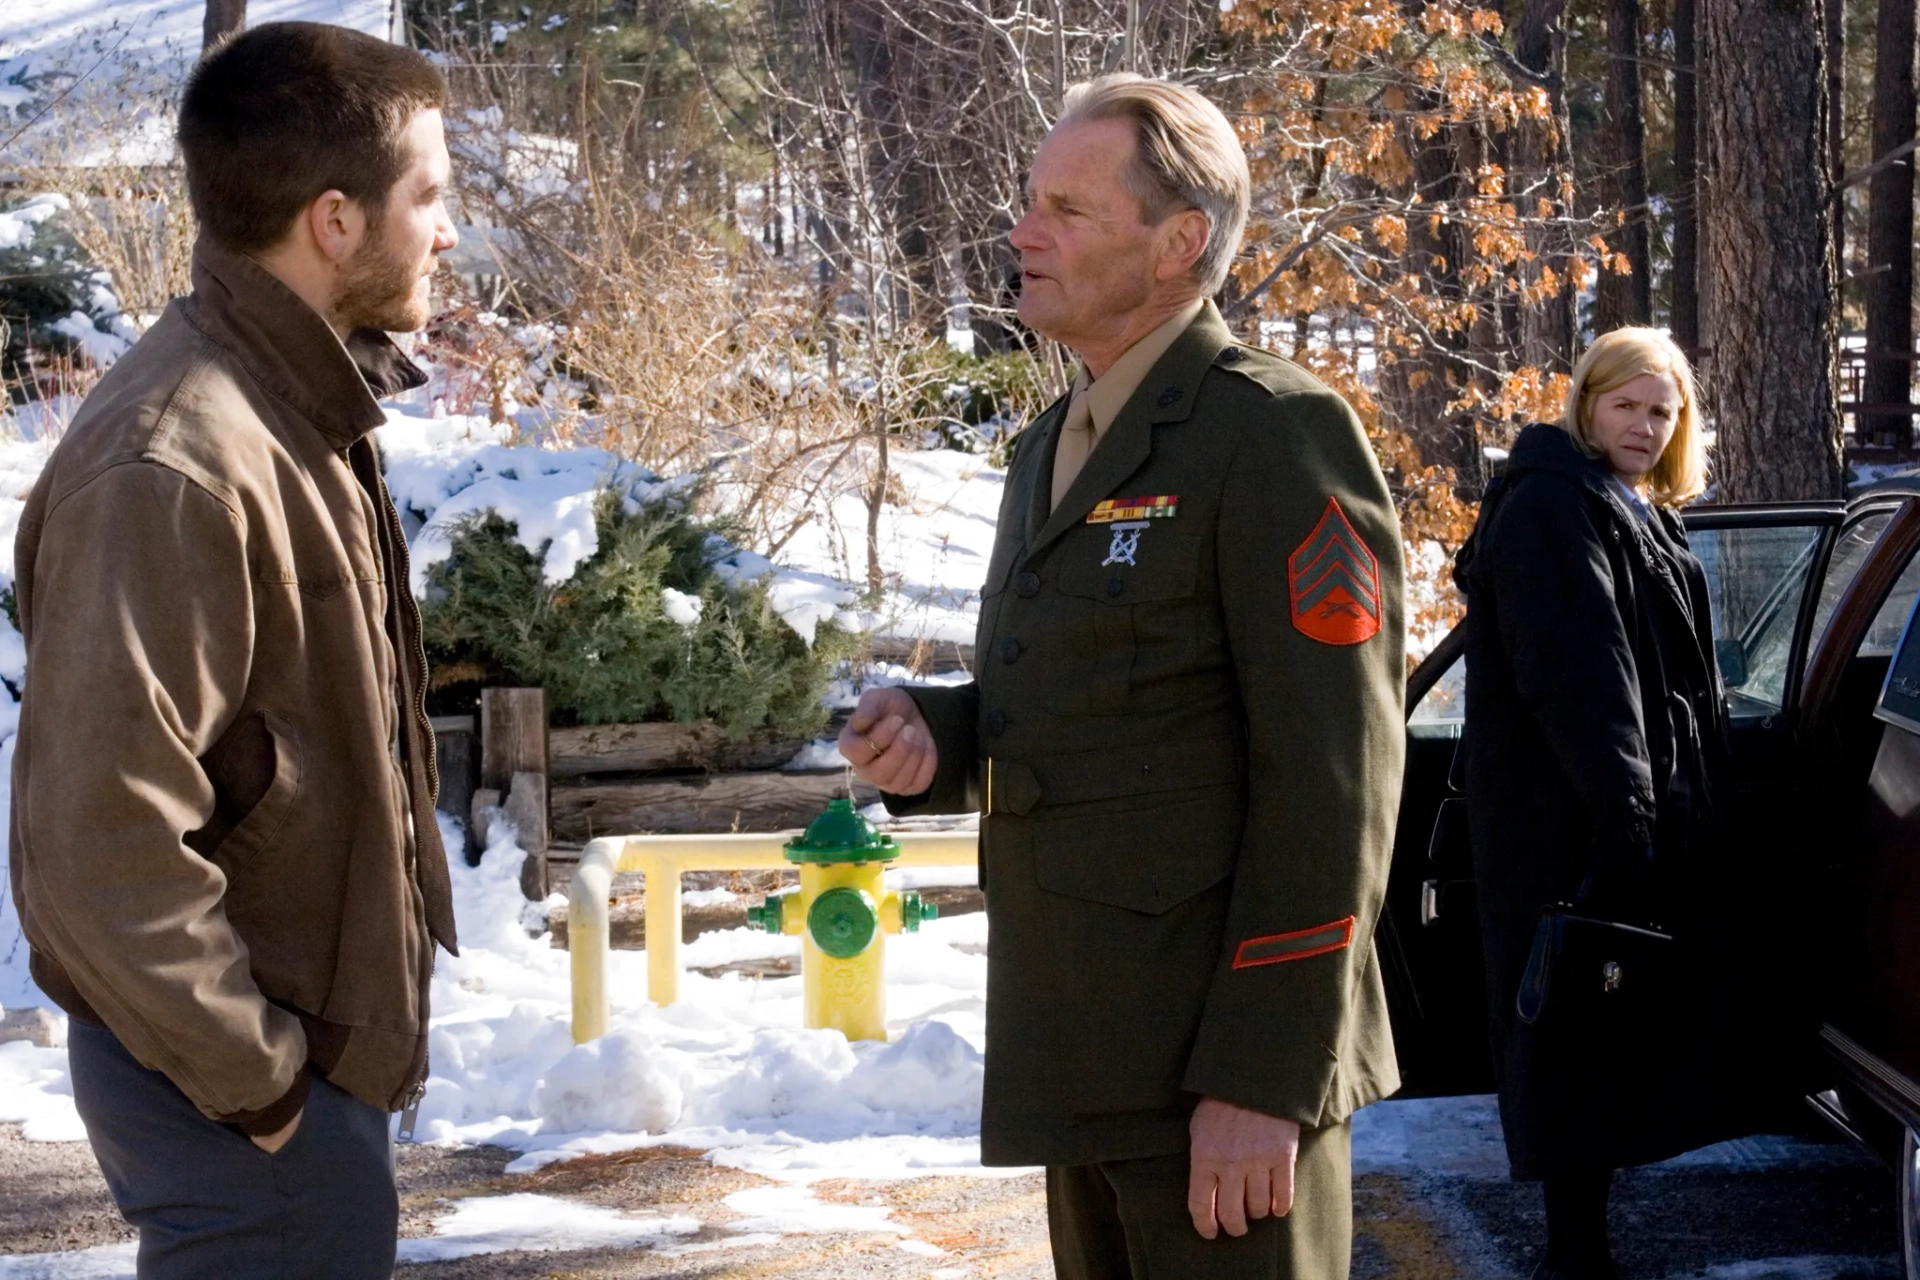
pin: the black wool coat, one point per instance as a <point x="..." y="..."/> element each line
<point x="1595" y="729"/>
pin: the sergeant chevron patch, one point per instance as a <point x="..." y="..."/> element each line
<point x="1334" y="582"/>
<point x="1298" y="945"/>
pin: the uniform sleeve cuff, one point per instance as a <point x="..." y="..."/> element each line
<point x="276" y="1115"/>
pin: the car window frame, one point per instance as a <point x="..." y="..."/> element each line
<point x="1828" y="518"/>
<point x="1860" y="604"/>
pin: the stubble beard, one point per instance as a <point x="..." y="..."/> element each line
<point x="376" y="291"/>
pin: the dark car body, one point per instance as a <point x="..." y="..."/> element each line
<point x="1815" y="631"/>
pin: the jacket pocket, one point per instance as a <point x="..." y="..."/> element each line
<point x="1137" y="914"/>
<point x="255" y="771"/>
<point x="1147" y="859"/>
<point x="1165" y="565"/>
<point x="1144" y="619"/>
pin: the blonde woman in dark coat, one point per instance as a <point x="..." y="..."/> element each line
<point x="1595" y="731"/>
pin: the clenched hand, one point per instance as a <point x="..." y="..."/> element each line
<point x="888" y="743"/>
<point x="1242" y="1167"/>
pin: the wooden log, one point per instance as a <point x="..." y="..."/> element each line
<point x="456" y="747"/>
<point x="768" y="801"/>
<point x="646" y="748"/>
<point x="513" y="735"/>
<point x="925" y="657"/>
<point x="526" y="808"/>
<point x="513" y="748"/>
<point x="486" y="803"/>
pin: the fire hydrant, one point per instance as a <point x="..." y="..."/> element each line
<point x="840" y="911"/>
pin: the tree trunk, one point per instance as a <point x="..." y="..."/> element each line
<point x="1836" y="16"/>
<point x="1543" y="158"/>
<point x="1625" y="298"/>
<point x="1686" y="180"/>
<point x="1770" y="251"/>
<point x="224" y="17"/>
<point x="1890" y="232"/>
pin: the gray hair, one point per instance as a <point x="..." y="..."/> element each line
<point x="1186" y="156"/>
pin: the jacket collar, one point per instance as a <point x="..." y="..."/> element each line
<point x="289" y="349"/>
<point x="1165" y="395"/>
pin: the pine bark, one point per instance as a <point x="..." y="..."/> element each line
<point x="1836" y="18"/>
<point x="223" y="17"/>
<point x="1686" y="179"/>
<point x="1625" y="298"/>
<point x="1770" y="252"/>
<point x="1889" y="279"/>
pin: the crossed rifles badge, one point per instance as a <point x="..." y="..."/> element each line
<point x="1333" y="582"/>
<point x="1130" y="517"/>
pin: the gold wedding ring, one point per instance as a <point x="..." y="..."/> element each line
<point x="870" y="747"/>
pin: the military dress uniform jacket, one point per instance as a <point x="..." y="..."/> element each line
<point x="1185" y="735"/>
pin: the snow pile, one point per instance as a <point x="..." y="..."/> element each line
<point x="730" y="1068"/>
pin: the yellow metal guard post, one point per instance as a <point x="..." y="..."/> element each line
<point x="661" y="859"/>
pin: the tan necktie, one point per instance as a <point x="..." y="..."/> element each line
<point x="1076" y="442"/>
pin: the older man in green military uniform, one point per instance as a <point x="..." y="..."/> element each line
<point x="1184" y="734"/>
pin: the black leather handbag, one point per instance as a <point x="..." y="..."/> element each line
<point x="1584" y="967"/>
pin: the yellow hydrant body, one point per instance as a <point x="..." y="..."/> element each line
<point x="841" y="912"/>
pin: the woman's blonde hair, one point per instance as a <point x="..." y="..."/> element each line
<point x="1617" y="358"/>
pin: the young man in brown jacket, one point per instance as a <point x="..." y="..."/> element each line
<point x="224" y="848"/>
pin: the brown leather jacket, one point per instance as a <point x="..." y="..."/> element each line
<point x="223" y="842"/>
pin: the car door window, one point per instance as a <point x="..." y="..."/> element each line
<point x="1843" y="565"/>
<point x="1757" y="579"/>
<point x="1891" y="621"/>
<point x="1442" y="712"/>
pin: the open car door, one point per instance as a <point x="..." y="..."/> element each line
<point x="1778" y="575"/>
<point x="1861" y="744"/>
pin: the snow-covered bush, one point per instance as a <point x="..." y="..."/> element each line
<point x="644" y="629"/>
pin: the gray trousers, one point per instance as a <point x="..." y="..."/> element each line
<point x="208" y="1202"/>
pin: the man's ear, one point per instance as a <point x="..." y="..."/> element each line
<point x="1182" y="240"/>
<point x="335" y="225"/>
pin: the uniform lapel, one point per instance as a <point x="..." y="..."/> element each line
<point x="1038" y="478"/>
<point x="1166" y="394"/>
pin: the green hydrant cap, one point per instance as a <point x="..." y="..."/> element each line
<point x="840" y="834"/>
<point x="768" y="916"/>
<point x="843" y="922"/>
<point x="916" y="911"/>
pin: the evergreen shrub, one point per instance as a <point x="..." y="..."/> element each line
<point x="602" y="644"/>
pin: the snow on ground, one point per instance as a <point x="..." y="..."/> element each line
<point x="476" y="1225"/>
<point x="935" y="547"/>
<point x="94" y="49"/>
<point x="729" y="1069"/>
